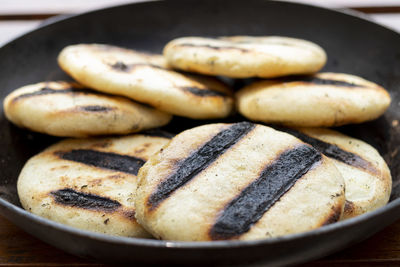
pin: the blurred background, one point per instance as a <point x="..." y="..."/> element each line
<point x="20" y="16"/>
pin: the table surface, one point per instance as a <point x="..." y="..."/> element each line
<point x="18" y="248"/>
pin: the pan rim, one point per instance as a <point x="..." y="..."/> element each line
<point x="200" y="244"/>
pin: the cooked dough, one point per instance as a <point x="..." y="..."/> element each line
<point x="237" y="181"/>
<point x="366" y="175"/>
<point x="88" y="183"/>
<point x="325" y="99"/>
<point x="245" y="56"/>
<point x="146" y="78"/>
<point x="68" y="109"/>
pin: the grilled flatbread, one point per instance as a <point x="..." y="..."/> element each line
<point x="146" y="78"/>
<point x="69" y="109"/>
<point x="237" y="181"/>
<point x="366" y="174"/>
<point x="324" y="99"/>
<point x="245" y="56"/>
<point x="89" y="183"/>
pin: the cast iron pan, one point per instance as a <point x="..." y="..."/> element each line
<point x="354" y="46"/>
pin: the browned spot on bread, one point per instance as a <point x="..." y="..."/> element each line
<point x="95" y="182"/>
<point x="349" y="207"/>
<point x="115" y="176"/>
<point x="62" y="167"/>
<point x="128" y="68"/>
<point x="334" y="215"/>
<point x="203" y="92"/>
<point x="102" y="144"/>
<point x="129" y="214"/>
<point x="139" y="150"/>
<point x="64" y="179"/>
<point x="143" y="148"/>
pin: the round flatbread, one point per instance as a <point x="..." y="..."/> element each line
<point x="68" y="109"/>
<point x="324" y="99"/>
<point x="245" y="56"/>
<point x="366" y="174"/>
<point x="88" y="183"/>
<point x="237" y="181"/>
<point x="147" y="79"/>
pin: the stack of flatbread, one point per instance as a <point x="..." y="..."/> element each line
<point x="218" y="181"/>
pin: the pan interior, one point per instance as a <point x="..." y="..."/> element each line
<point x="353" y="46"/>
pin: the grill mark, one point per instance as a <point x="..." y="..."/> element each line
<point x="215" y="47"/>
<point x="105" y="160"/>
<point x="349" y="207"/>
<point x="264" y="43"/>
<point x="257" y="198"/>
<point x="123" y="67"/>
<point x="157" y="133"/>
<point x="319" y="81"/>
<point x="198" y="161"/>
<point x="95" y="108"/>
<point x="202" y="92"/>
<point x="72" y="198"/>
<point x="129" y="214"/>
<point x="333" y="151"/>
<point x="49" y="91"/>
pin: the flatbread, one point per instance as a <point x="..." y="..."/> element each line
<point x="321" y="100"/>
<point x="245" y="56"/>
<point x="88" y="183"/>
<point x="146" y="78"/>
<point x="366" y="174"/>
<point x="237" y="181"/>
<point x="69" y="109"/>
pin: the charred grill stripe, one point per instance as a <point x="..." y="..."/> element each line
<point x="95" y="108"/>
<point x="258" y="197"/>
<point x="215" y="47"/>
<point x="157" y="133"/>
<point x="121" y="66"/>
<point x="72" y="198"/>
<point x="105" y="160"/>
<point x="319" y="81"/>
<point x="263" y="43"/>
<point x="333" y="151"/>
<point x="202" y="92"/>
<point x="49" y="91"/>
<point x="198" y="161"/>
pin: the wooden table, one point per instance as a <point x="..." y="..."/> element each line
<point x="20" y="249"/>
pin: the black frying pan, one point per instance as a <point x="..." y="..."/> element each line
<point x="354" y="46"/>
